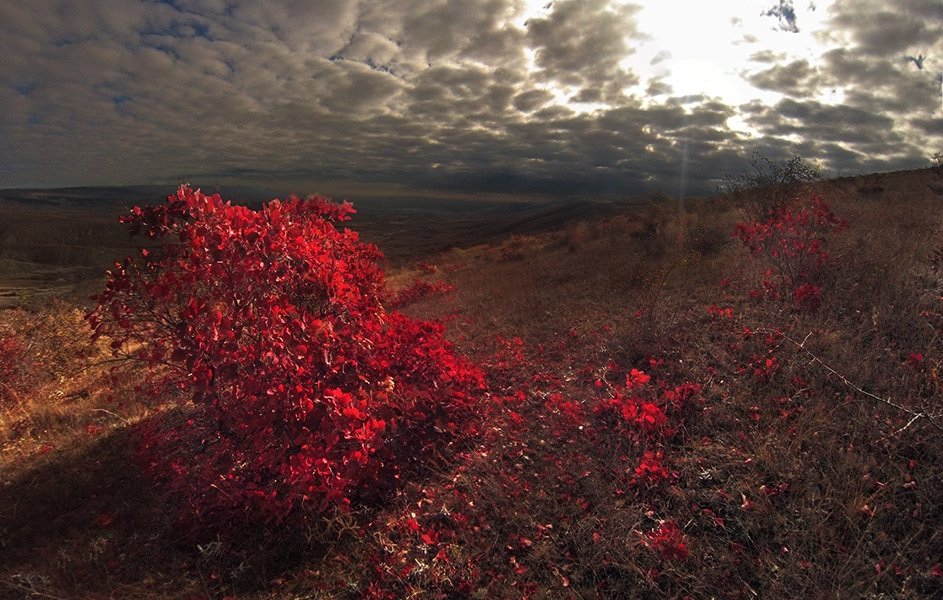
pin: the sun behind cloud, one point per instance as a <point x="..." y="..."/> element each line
<point x="500" y="95"/>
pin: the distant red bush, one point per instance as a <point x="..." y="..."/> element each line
<point x="792" y="242"/>
<point x="309" y="393"/>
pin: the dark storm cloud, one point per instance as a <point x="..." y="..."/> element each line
<point x="443" y="94"/>
<point x="354" y="86"/>
<point x="581" y="43"/>
<point x="810" y="119"/>
<point x="844" y="138"/>
<point x="876" y="78"/>
<point x="531" y="100"/>
<point x="657" y="87"/>
<point x="795" y="79"/>
<point x="417" y="92"/>
<point x="884" y="107"/>
<point x="890" y="29"/>
<point x="932" y="127"/>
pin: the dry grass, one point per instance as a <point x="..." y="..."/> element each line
<point x="795" y="485"/>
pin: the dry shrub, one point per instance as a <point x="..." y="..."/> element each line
<point x="42" y="352"/>
<point x="652" y="239"/>
<point x="707" y="239"/>
<point x="576" y="235"/>
<point x="770" y="186"/>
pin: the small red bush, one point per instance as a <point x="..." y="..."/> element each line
<point x="668" y="541"/>
<point x="309" y="394"/>
<point x="641" y="410"/>
<point x="792" y="242"/>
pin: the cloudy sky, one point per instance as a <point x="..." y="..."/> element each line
<point x="462" y="96"/>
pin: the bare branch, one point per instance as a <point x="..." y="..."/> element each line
<point x="915" y="415"/>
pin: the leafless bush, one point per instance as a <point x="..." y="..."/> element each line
<point x="769" y="185"/>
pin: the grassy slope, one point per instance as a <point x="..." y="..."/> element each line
<point x="862" y="507"/>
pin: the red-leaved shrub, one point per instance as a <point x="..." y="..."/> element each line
<point x="668" y="540"/>
<point x="792" y="242"/>
<point x="307" y="393"/>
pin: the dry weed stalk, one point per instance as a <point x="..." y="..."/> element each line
<point x="914" y="415"/>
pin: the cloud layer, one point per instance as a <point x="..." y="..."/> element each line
<point x="493" y="95"/>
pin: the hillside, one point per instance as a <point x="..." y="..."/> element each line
<point x="791" y="447"/>
<point x="59" y="243"/>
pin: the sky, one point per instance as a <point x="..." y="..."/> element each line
<point x="463" y="97"/>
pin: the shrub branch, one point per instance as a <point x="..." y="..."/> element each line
<point x="914" y="415"/>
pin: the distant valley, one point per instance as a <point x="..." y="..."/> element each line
<point x="60" y="242"/>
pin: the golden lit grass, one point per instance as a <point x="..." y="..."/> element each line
<point x="76" y="516"/>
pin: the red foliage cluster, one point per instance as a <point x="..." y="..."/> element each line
<point x="570" y="430"/>
<point x="807" y="296"/>
<point x="651" y="470"/>
<point x="646" y="410"/>
<point x="668" y="541"/>
<point x="427" y="268"/>
<point x="721" y="313"/>
<point x="792" y="241"/>
<point x="308" y="393"/>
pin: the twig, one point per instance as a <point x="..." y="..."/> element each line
<point x="103" y="362"/>
<point x="31" y="584"/>
<point x="915" y="415"/>
<point x="912" y="420"/>
<point x="113" y="414"/>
